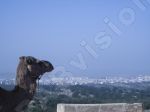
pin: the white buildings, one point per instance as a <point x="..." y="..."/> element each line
<point x="84" y="80"/>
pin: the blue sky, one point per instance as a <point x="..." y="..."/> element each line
<point x="53" y="30"/>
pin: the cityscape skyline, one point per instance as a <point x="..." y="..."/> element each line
<point x="70" y="80"/>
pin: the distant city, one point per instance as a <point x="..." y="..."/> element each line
<point x="84" y="80"/>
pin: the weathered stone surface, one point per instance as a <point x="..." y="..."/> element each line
<point x="113" y="107"/>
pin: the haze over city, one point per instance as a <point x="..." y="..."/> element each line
<point x="83" y="38"/>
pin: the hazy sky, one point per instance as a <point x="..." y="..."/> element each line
<point x="114" y="34"/>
